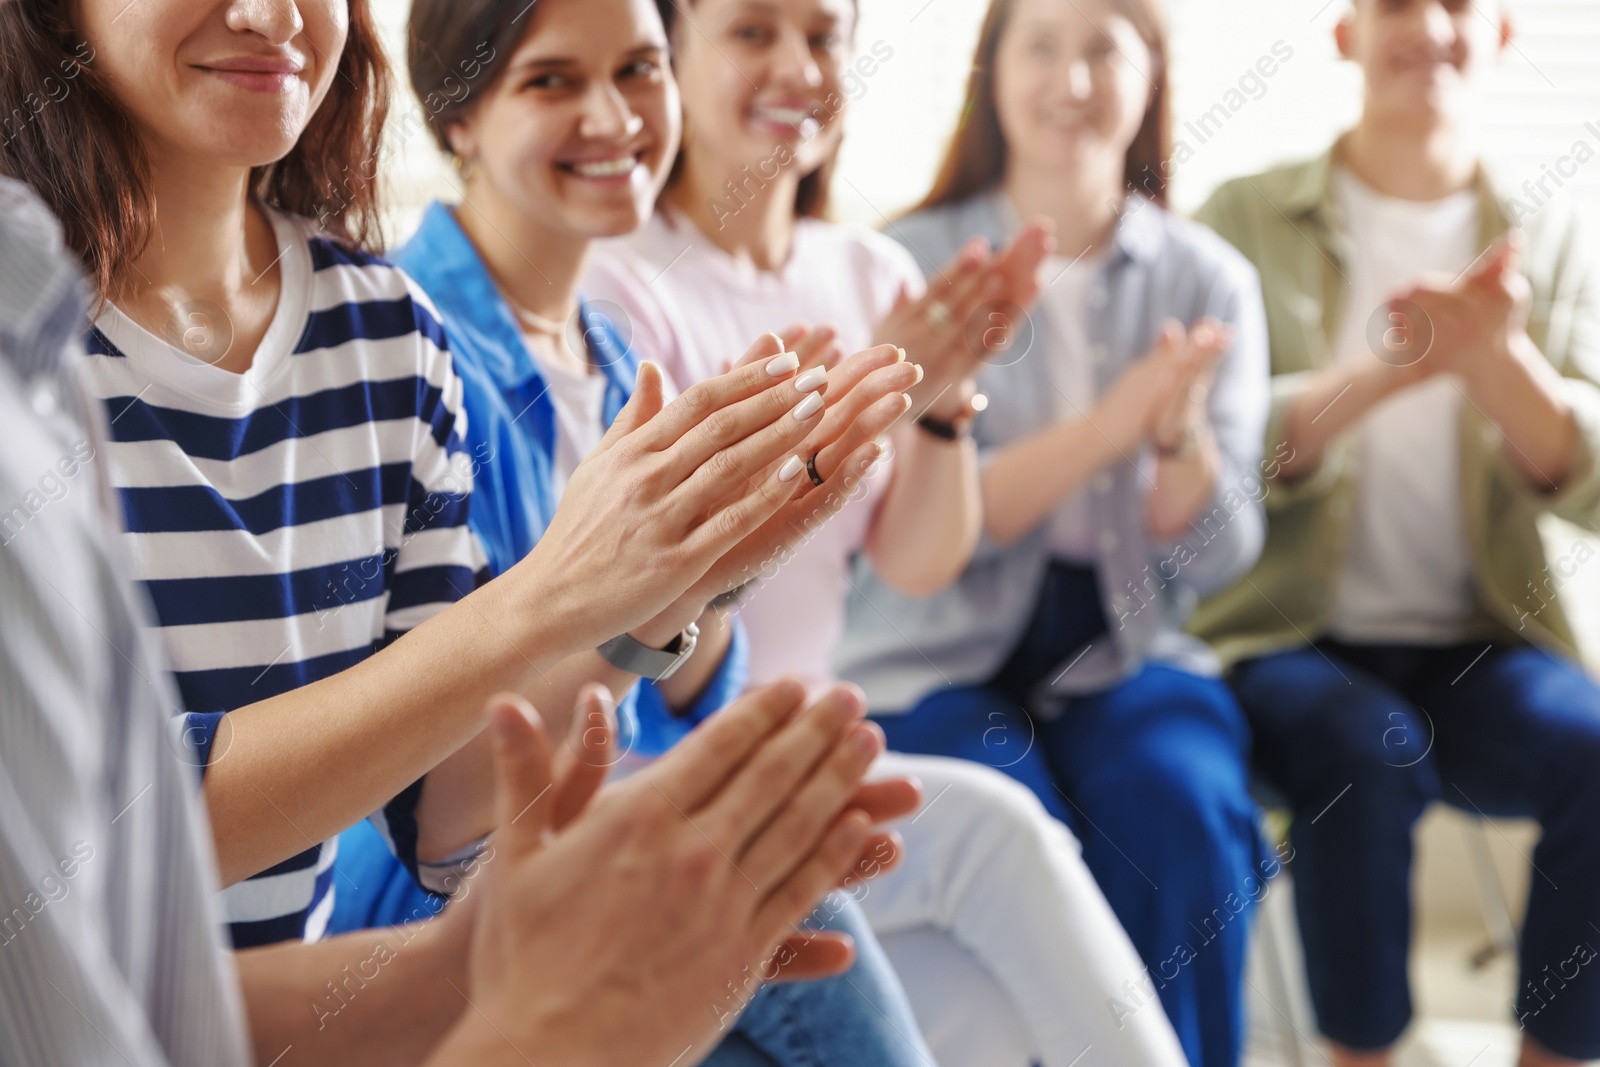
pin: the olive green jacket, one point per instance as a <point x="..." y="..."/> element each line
<point x="1287" y="223"/>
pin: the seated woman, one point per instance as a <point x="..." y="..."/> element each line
<point x="987" y="869"/>
<point x="1119" y="481"/>
<point x="286" y="440"/>
<point x="544" y="377"/>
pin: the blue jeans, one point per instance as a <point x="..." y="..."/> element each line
<point x="861" y="1017"/>
<point x="1150" y="774"/>
<point x="1360" y="739"/>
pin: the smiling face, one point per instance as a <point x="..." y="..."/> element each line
<point x="580" y="129"/>
<point x="762" y="79"/>
<point x="1422" y="59"/>
<point x="232" y="82"/>
<point x="1072" y="84"/>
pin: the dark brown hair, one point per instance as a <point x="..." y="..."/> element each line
<point x="86" y="162"/>
<point x="811" y="198"/>
<point x="977" y="155"/>
<point x="446" y="46"/>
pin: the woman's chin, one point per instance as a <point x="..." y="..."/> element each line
<point x="596" y="223"/>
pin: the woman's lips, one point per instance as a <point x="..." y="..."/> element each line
<point x="258" y="74"/>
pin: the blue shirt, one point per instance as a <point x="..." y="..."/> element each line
<point x="512" y="436"/>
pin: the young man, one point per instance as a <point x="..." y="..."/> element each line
<point x="1435" y="348"/>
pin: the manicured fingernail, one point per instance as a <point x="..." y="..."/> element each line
<point x="865" y="740"/>
<point x="900" y="355"/>
<point x="919" y="372"/>
<point x="791" y="469"/>
<point x="811" y="379"/>
<point x="808" y="407"/>
<point x="787" y="363"/>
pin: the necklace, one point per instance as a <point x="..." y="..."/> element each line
<point x="535" y="323"/>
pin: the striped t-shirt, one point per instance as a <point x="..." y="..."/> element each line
<point x="287" y="521"/>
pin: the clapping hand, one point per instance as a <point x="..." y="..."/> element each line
<point x="1161" y="397"/>
<point x="1467" y="325"/>
<point x="645" y="900"/>
<point x="672" y="490"/>
<point x="969" y="312"/>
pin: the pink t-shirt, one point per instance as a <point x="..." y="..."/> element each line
<point x="682" y="302"/>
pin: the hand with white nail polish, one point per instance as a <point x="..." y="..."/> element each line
<point x="808" y="407"/>
<point x="844" y="412"/>
<point x="681" y="501"/>
<point x="812" y="379"/>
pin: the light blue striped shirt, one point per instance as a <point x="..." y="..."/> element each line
<point x="1159" y="266"/>
<point x="110" y="942"/>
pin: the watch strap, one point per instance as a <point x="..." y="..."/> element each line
<point x="944" y="430"/>
<point x="657" y="664"/>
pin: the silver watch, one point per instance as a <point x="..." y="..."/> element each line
<point x="657" y="664"/>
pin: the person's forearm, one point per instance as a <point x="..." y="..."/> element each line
<point x="1519" y="391"/>
<point x="288" y="772"/>
<point x="1025" y="481"/>
<point x="1334" y="401"/>
<point x="685" y="686"/>
<point x="1184" y="485"/>
<point x="381" y="997"/>
<point x="479" y="1041"/>
<point x="931" y="516"/>
<point x="457" y="803"/>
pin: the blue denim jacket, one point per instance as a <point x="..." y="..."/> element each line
<point x="1159" y="266"/>
<point x="511" y="437"/>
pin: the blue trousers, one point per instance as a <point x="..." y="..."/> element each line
<point x="1360" y="739"/>
<point x="860" y="1018"/>
<point x="1150" y="774"/>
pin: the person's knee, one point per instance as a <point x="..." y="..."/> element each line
<point x="974" y="723"/>
<point x="1573" y="773"/>
<point x="1166" y="811"/>
<point x="990" y="805"/>
<point x="1380" y="747"/>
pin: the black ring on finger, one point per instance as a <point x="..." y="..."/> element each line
<point x="811" y="469"/>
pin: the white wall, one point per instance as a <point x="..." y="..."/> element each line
<point x="1547" y="88"/>
<point x="1545" y="92"/>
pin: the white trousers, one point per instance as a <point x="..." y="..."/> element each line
<point x="1006" y="946"/>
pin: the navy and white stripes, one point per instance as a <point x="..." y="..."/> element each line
<point x="288" y="520"/>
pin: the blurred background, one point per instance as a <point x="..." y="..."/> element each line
<point x="1544" y="100"/>
<point x="1541" y="117"/>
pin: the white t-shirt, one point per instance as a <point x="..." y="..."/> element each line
<point x="1408" y="576"/>
<point x="693" y="308"/>
<point x="1064" y="299"/>
<point x="579" y="400"/>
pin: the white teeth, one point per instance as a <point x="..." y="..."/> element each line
<point x="785" y="116"/>
<point x="606" y="168"/>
